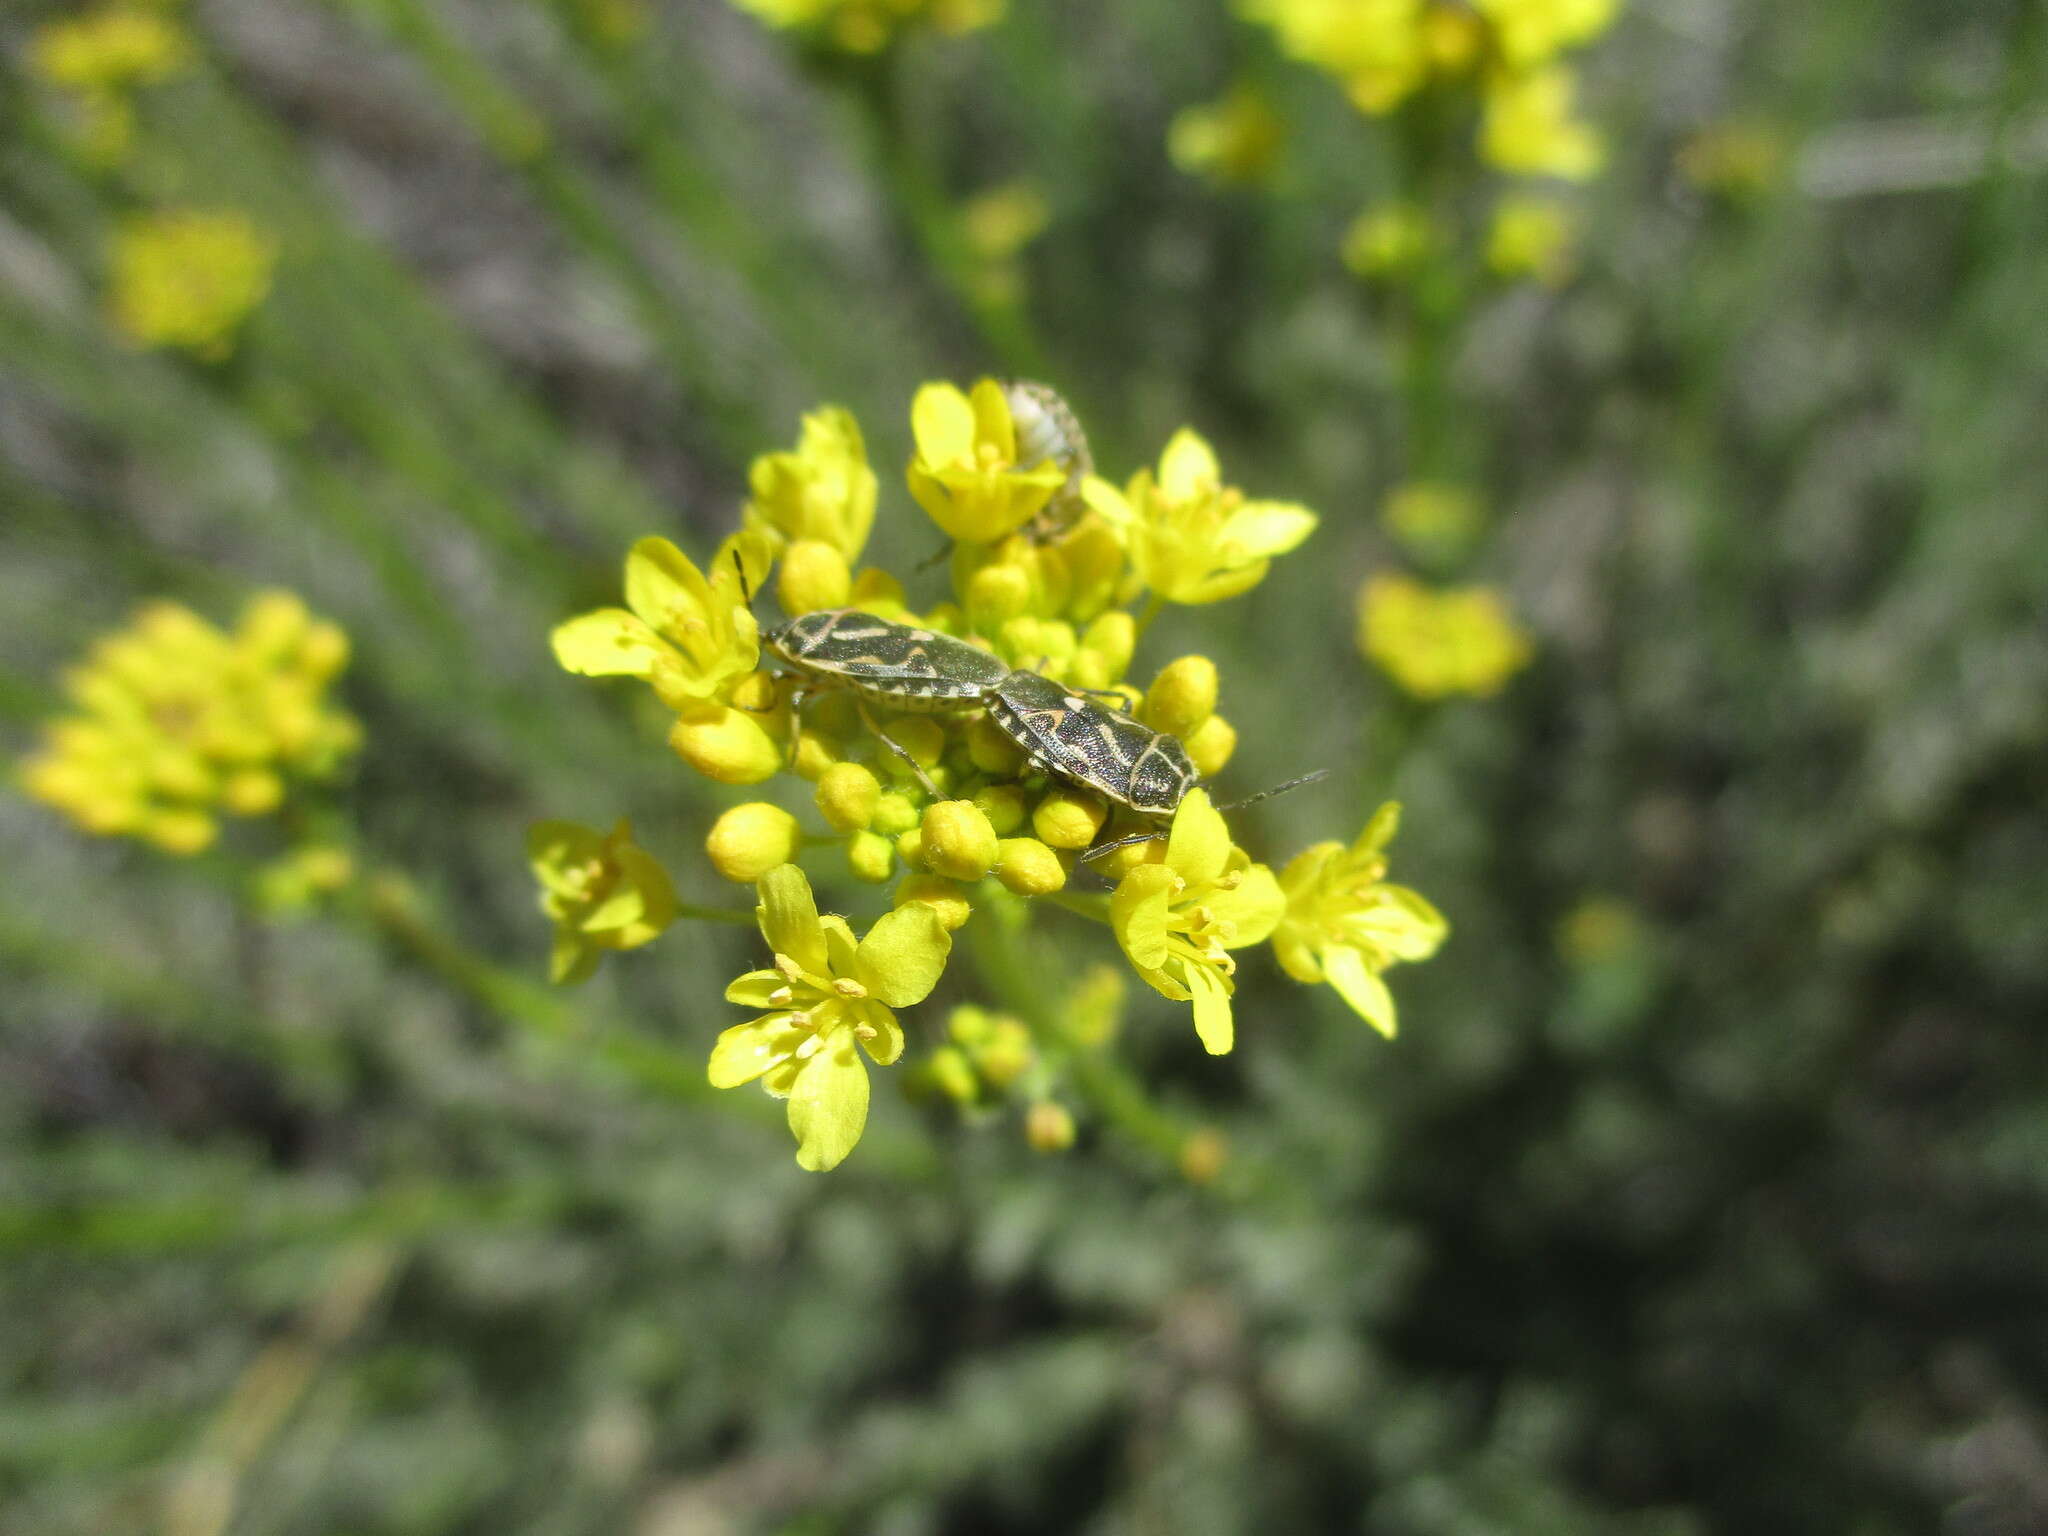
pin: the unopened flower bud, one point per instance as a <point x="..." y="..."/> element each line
<point x="920" y="736"/>
<point x="1113" y="636"/>
<point x="1003" y="805"/>
<point x="1182" y="696"/>
<point x="1067" y="818"/>
<point x="895" y="814"/>
<point x="959" y="843"/>
<point x="749" y="840"/>
<point x="725" y="744"/>
<point x="953" y="1075"/>
<point x="1028" y="867"/>
<point x="1210" y="745"/>
<point x="997" y="593"/>
<point x="942" y="896"/>
<point x="181" y="832"/>
<point x="990" y="750"/>
<point x="847" y="797"/>
<point x="252" y="792"/>
<point x="814" y="576"/>
<point x="870" y="857"/>
<point x="1048" y="1127"/>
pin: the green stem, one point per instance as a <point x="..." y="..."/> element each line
<point x="1154" y="606"/>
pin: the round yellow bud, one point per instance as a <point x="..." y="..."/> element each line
<point x="997" y="594"/>
<point x="814" y="757"/>
<point x="1202" y="1155"/>
<point x="252" y="792"/>
<point x="273" y="623"/>
<point x="990" y="750"/>
<point x="1029" y="868"/>
<point x="749" y="840"/>
<point x="755" y="693"/>
<point x="895" y="814"/>
<point x="324" y="651"/>
<point x="1182" y="696"/>
<point x="326" y="868"/>
<point x="1048" y="1127"/>
<point x="1003" y="805"/>
<point x="942" y="896"/>
<point x="1113" y="637"/>
<point x="1210" y="745"/>
<point x="728" y="745"/>
<point x="181" y="832"/>
<point x="953" y="1075"/>
<point x="182" y="775"/>
<point x="1007" y="1054"/>
<point x="870" y="857"/>
<point x="919" y="735"/>
<point x="1067" y="818"/>
<point x="814" y="576"/>
<point x="910" y="847"/>
<point x="847" y="797"/>
<point x="959" y="843"/>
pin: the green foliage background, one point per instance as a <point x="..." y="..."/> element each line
<point x="1743" y="1229"/>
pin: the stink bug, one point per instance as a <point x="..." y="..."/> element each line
<point x="1064" y="733"/>
<point x="1047" y="430"/>
<point x="916" y="670"/>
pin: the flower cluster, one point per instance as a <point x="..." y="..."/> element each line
<point x="1436" y="643"/>
<point x="178" y="723"/>
<point x="97" y="62"/>
<point x="1505" y="58"/>
<point x="1054" y="572"/>
<point x="187" y="279"/>
<point x="869" y="26"/>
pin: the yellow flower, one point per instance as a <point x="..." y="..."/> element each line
<point x="189" y="279"/>
<point x="1432" y="518"/>
<point x="1532" y="237"/>
<point x="689" y="636"/>
<point x="1003" y="220"/>
<point x="1345" y="925"/>
<point x="1233" y="142"/>
<point x="1387" y="240"/>
<point x="1377" y="47"/>
<point x="1438" y="643"/>
<point x="1529" y="128"/>
<point x="603" y="892"/>
<point x="823" y="490"/>
<point x="178" y="723"/>
<point x="1178" y="919"/>
<point x="965" y="471"/>
<point x="826" y="995"/>
<point x="1532" y="31"/>
<point x="1191" y="538"/>
<point x="111" y="50"/>
<point x="868" y="26"/>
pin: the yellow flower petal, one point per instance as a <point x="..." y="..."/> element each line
<point x="828" y="1104"/>
<point x="747" y="1050"/>
<point x="942" y="422"/>
<point x="756" y="989"/>
<point x="1198" y="847"/>
<point x="1254" y="908"/>
<point x="665" y="588"/>
<point x="1213" y="1022"/>
<point x="903" y="956"/>
<point x="789" y="917"/>
<point x="609" y="643"/>
<point x="1266" y="528"/>
<point x="1360" y="986"/>
<point x="1140" y="912"/>
<point x="1188" y="468"/>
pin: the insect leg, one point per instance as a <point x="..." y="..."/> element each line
<point x="1277" y="789"/>
<point x="897" y="747"/>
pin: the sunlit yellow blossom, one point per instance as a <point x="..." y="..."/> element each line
<point x="1529" y="127"/>
<point x="1190" y="538"/>
<point x="109" y="50"/>
<point x="689" y="635"/>
<point x="868" y="26"/>
<point x="1178" y="919"/>
<point x="828" y="998"/>
<point x="188" y="279"/>
<point x="1384" y="241"/>
<point x="965" y="471"/>
<point x="1439" y="643"/>
<point x="1376" y="47"/>
<point x="178" y="723"/>
<point x="1346" y="925"/>
<point x="1233" y="142"/>
<point x="1532" y="237"/>
<point x="823" y="490"/>
<point x="1529" y="32"/>
<point x="602" y="891"/>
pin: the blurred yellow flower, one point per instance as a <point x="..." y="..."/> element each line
<point x="1531" y="32"/>
<point x="1532" y="236"/>
<point x="822" y="490"/>
<point x="1734" y="158"/>
<point x="1432" y="518"/>
<point x="1191" y="538"/>
<point x="114" y="49"/>
<point x="1345" y="925"/>
<point x="965" y="472"/>
<point x="1178" y="919"/>
<point x="1529" y="127"/>
<point x="1234" y="141"/>
<point x="602" y="891"/>
<point x="1001" y="221"/>
<point x="179" y="723"/>
<point x="188" y="279"/>
<point x="1393" y="238"/>
<point x="868" y="26"/>
<point x="828" y="998"/>
<point x="1436" y="643"/>
<point x="1376" y="47"/>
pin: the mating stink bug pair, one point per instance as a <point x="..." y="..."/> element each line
<point x="1060" y="730"/>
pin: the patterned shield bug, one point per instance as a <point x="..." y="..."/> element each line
<point x="1047" y="429"/>
<point x="1066" y="734"/>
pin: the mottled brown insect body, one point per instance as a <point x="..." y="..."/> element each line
<point x="1068" y="735"/>
<point x="907" y="668"/>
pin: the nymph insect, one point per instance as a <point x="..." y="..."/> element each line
<point x="1047" y="430"/>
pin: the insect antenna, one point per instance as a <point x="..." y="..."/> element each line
<point x="1236" y="805"/>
